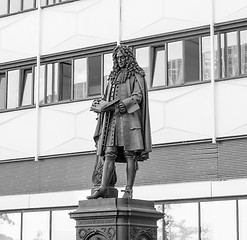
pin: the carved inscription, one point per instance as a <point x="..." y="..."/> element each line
<point x="95" y="221"/>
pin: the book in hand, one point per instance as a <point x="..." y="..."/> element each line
<point x="103" y="106"/>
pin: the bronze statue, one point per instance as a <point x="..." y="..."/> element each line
<point x="123" y="129"/>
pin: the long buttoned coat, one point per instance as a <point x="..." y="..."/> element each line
<point x="135" y="122"/>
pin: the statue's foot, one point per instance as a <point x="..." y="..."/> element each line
<point x="128" y="193"/>
<point x="102" y="192"/>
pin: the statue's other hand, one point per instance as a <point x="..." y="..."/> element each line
<point x="122" y="108"/>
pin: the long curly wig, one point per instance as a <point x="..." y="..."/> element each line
<point x="132" y="66"/>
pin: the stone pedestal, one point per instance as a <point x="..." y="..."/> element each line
<point x="116" y="219"/>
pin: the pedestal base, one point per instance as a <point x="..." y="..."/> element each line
<point x="116" y="219"/>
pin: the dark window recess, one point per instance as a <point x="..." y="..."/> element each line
<point x="191" y="60"/>
<point x="3" y="89"/>
<point x="94" y="78"/>
<point x="65" y="80"/>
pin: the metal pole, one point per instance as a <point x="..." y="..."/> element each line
<point x="212" y="72"/>
<point x="119" y="22"/>
<point x="37" y="76"/>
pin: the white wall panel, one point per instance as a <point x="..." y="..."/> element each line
<point x="18" y="36"/>
<point x="230" y="10"/>
<point x="79" y="24"/>
<point x="181" y="114"/>
<point x="17" y="134"/>
<point x="231" y="108"/>
<point x="144" y="18"/>
<point x="67" y="128"/>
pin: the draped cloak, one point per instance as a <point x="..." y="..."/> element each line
<point x="101" y="130"/>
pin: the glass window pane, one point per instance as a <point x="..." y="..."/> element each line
<point x="94" y="83"/>
<point x="4" y="7"/>
<point x="181" y="221"/>
<point x="65" y="80"/>
<point x="42" y="84"/>
<point x="206" y="58"/>
<point x="175" y="63"/>
<point x="36" y="225"/>
<point x="63" y="227"/>
<point x="26" y="87"/>
<point x="15" y="6"/>
<point x="159" y="67"/>
<point x="232" y="55"/>
<point x="214" y="223"/>
<point x="27" y="4"/>
<point x="108" y="64"/>
<point x="242" y="219"/>
<point x="2" y="91"/>
<point x="222" y="55"/>
<point x="43" y="2"/>
<point x="80" y="78"/>
<point x="10" y="226"/>
<point x="49" y="83"/>
<point x="142" y="57"/>
<point x="160" y="223"/>
<point x="191" y="60"/>
<point x="243" y="47"/>
<point x="55" y="82"/>
<point x="13" y="89"/>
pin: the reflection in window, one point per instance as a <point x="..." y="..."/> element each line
<point x="80" y="78"/>
<point x="42" y="84"/>
<point x="10" y="226"/>
<point x="242" y="204"/>
<point x="4" y="7"/>
<point x="142" y="57"/>
<point x="65" y="80"/>
<point x="206" y="58"/>
<point x="15" y="6"/>
<point x="36" y="225"/>
<point x="175" y="63"/>
<point x="191" y="60"/>
<point x="232" y="55"/>
<point x="243" y="49"/>
<point x="26" y="87"/>
<point x="222" y="55"/>
<point x="28" y="4"/>
<point x="215" y="224"/>
<point x="108" y="64"/>
<point x="94" y="78"/>
<point x="63" y="228"/>
<point x="52" y="83"/>
<point x="181" y="221"/>
<point x="159" y="78"/>
<point x="13" y="89"/>
<point x="2" y="90"/>
<point x="160" y="223"/>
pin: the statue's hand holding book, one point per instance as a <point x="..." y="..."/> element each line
<point x="100" y="106"/>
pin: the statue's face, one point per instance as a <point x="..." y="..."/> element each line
<point x="121" y="59"/>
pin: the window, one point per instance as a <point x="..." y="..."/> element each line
<point x="3" y="85"/>
<point x="142" y="57"/>
<point x="4" y="7"/>
<point x="64" y="80"/>
<point x="36" y="225"/>
<point x="94" y="81"/>
<point x="242" y="219"/>
<point x="108" y="64"/>
<point x="10" y="226"/>
<point x="80" y="78"/>
<point x="26" y="87"/>
<point x="28" y="4"/>
<point x="191" y="60"/>
<point x="15" y="6"/>
<point x="13" y="89"/>
<point x="175" y="63"/>
<point x="159" y="78"/>
<point x="232" y="54"/>
<point x="243" y="50"/>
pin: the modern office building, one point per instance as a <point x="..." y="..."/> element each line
<point x="55" y="57"/>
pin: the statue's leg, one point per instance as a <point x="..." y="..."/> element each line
<point x="108" y="168"/>
<point x="131" y="169"/>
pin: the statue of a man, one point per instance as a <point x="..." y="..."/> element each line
<point x="123" y="130"/>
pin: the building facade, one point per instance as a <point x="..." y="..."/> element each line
<point x="55" y="56"/>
